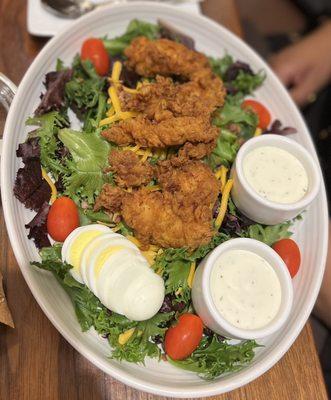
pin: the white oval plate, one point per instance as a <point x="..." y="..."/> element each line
<point x="311" y="233"/>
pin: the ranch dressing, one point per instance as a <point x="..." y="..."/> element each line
<point x="275" y="174"/>
<point x="245" y="289"/>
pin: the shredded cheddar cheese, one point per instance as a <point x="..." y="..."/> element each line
<point x="191" y="275"/>
<point x="150" y="256"/>
<point x="114" y="99"/>
<point x="134" y="148"/>
<point x="110" y="112"/>
<point x="146" y="155"/>
<point x="134" y="240"/>
<point x="51" y="185"/>
<point x="218" y="173"/>
<point x="115" y="113"/>
<point x="129" y="90"/>
<point x="116" y="72"/>
<point x="125" y="336"/>
<point x="224" y="171"/>
<point x="258" y="132"/>
<point x="153" y="188"/>
<point x="224" y="203"/>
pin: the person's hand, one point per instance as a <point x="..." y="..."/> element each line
<point x="305" y="67"/>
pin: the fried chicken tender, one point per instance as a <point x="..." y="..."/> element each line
<point x="168" y="132"/>
<point x="130" y="170"/>
<point x="192" y="185"/>
<point x="196" y="151"/>
<point x="110" y="198"/>
<point x="163" y="57"/>
<point x="180" y="215"/>
<point x="154" y="218"/>
<point x="164" y="99"/>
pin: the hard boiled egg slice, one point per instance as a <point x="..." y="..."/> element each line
<point x="75" y="244"/>
<point x="90" y="249"/>
<point x="118" y="273"/>
<point x="144" y="297"/>
<point x="101" y="249"/>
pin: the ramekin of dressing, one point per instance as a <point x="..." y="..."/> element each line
<point x="275" y="179"/>
<point x="243" y="290"/>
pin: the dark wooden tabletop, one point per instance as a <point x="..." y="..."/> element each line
<point x="35" y="361"/>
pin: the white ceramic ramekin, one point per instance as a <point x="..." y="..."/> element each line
<point x="256" y="207"/>
<point x="205" y="307"/>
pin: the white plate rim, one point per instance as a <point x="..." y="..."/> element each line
<point x="6" y="186"/>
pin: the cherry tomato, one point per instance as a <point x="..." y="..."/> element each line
<point x="261" y="111"/>
<point x="62" y="218"/>
<point x="290" y="253"/>
<point x="182" y="339"/>
<point x="95" y="51"/>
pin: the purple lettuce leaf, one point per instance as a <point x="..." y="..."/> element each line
<point x="30" y="188"/>
<point x="53" y="99"/>
<point x="38" y="227"/>
<point x="277" y="129"/>
<point x="29" y="150"/>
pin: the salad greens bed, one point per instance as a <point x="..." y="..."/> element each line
<point x="76" y="160"/>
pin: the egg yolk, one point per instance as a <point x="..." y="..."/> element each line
<point x="78" y="246"/>
<point x="103" y="256"/>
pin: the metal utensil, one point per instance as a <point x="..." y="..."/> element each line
<point x="73" y="8"/>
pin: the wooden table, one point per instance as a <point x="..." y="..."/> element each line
<point x="35" y="361"/>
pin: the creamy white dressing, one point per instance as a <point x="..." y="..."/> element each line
<point x="275" y="174"/>
<point x="245" y="289"/>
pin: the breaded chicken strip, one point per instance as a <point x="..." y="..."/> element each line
<point x="196" y="151"/>
<point x="164" y="99"/>
<point x="191" y="183"/>
<point x="163" y="57"/>
<point x="129" y="169"/>
<point x="168" y="132"/>
<point x="110" y="198"/>
<point x="180" y="215"/>
<point x="154" y="218"/>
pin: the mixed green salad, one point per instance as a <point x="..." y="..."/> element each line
<point x="59" y="161"/>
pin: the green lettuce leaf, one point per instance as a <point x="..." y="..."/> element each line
<point x="85" y="93"/>
<point x="244" y="82"/>
<point x="48" y="127"/>
<point x="135" y="28"/>
<point x="89" y="156"/>
<point x="215" y="357"/>
<point x="91" y="312"/>
<point x="225" y="151"/>
<point x="269" y="234"/>
<point x="141" y="344"/>
<point x="221" y="65"/>
<point x="236" y="124"/>
<point x="175" y="264"/>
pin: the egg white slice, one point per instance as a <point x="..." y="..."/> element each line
<point x="102" y="251"/>
<point x="91" y="248"/>
<point x="75" y="244"/>
<point x="144" y="297"/>
<point x="118" y="274"/>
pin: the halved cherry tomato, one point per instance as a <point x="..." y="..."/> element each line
<point x="290" y="253"/>
<point x="261" y="111"/>
<point x="95" y="51"/>
<point x="62" y="218"/>
<point x="182" y="339"/>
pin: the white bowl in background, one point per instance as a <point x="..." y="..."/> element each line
<point x="204" y="304"/>
<point x="255" y="206"/>
<point x="159" y="378"/>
